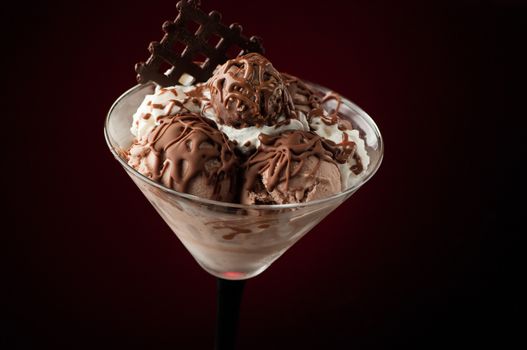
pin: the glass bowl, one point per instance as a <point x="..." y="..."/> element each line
<point x="235" y="241"/>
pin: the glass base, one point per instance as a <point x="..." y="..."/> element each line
<point x="235" y="275"/>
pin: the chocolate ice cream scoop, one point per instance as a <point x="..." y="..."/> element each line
<point x="249" y="91"/>
<point x="187" y="153"/>
<point x="304" y="98"/>
<point x="296" y="166"/>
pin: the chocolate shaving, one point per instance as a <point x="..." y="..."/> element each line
<point x="196" y="45"/>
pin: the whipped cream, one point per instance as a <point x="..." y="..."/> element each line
<point x="163" y="102"/>
<point x="333" y="133"/>
<point x="247" y="138"/>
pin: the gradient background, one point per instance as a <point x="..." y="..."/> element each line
<point x="409" y="262"/>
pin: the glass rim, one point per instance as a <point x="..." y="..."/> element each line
<point x="351" y="189"/>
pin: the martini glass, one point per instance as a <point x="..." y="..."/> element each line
<point x="234" y="242"/>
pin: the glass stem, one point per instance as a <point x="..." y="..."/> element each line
<point x="229" y="297"/>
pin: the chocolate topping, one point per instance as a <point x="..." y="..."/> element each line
<point x="231" y="229"/>
<point x="196" y="45"/>
<point x="304" y="99"/>
<point x="333" y="116"/>
<point x="357" y="168"/>
<point x="283" y="157"/>
<point x="249" y="91"/>
<point x="188" y="145"/>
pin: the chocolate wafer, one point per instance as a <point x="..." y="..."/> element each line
<point x="196" y="45"/>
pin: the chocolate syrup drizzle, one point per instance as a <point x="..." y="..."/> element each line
<point x="231" y="229"/>
<point x="249" y="91"/>
<point x="193" y="146"/>
<point x="333" y="116"/>
<point x="304" y="99"/>
<point x="283" y="157"/>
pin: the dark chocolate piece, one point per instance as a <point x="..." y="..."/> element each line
<point x="196" y="45"/>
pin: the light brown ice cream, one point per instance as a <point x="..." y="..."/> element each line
<point x="185" y="152"/>
<point x="295" y="167"/>
<point x="317" y="179"/>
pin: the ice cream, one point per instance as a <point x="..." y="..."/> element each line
<point x="305" y="100"/>
<point x="249" y="134"/>
<point x="187" y="153"/>
<point x="296" y="166"/>
<point x="248" y="98"/>
<point x="249" y="91"/>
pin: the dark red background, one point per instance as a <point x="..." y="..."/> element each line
<point x="408" y="262"/>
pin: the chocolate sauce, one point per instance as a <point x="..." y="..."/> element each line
<point x="233" y="228"/>
<point x="193" y="146"/>
<point x="283" y="157"/>
<point x="333" y="116"/>
<point x="249" y="91"/>
<point x="357" y="168"/>
<point x="236" y="231"/>
<point x="196" y="93"/>
<point x="165" y="90"/>
<point x="304" y="98"/>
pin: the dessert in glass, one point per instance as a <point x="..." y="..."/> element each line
<point x="241" y="164"/>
